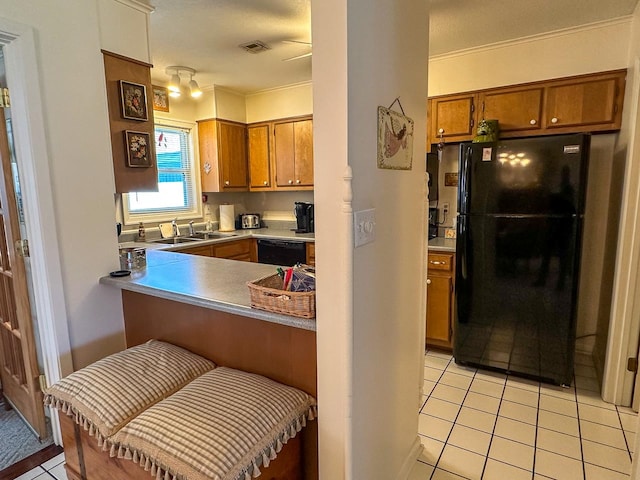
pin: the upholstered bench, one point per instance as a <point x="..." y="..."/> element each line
<point x="174" y="414"/>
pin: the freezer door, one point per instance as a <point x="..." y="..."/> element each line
<point x="515" y="293"/>
<point x="545" y="175"/>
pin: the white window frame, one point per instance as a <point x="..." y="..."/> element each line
<point x="131" y="218"/>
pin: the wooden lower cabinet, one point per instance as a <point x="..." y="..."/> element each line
<point x="440" y="283"/>
<point x="245" y="250"/>
<point x="311" y="253"/>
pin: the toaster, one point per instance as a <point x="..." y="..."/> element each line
<point x="249" y="220"/>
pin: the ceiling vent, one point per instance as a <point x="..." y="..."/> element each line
<point x="255" y="47"/>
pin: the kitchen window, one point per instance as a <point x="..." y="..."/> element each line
<point x="178" y="189"/>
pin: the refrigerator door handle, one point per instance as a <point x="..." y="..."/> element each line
<point x="463" y="190"/>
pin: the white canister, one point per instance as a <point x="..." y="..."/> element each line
<point x="227" y="218"/>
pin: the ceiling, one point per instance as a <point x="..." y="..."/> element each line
<point x="205" y="34"/>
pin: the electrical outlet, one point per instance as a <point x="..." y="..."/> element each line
<point x="445" y="207"/>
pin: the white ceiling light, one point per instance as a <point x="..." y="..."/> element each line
<point x="174" y="83"/>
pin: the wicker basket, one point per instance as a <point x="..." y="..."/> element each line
<point x="267" y="294"/>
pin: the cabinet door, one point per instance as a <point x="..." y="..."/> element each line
<point x="439" y="290"/>
<point x="208" y="149"/>
<point x="303" y="148"/>
<point x="284" y="149"/>
<point x="259" y="158"/>
<point x="452" y="118"/>
<point x="594" y="103"/>
<point x="203" y="251"/>
<point x="232" y="151"/>
<point x="515" y="109"/>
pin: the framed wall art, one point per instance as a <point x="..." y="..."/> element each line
<point x="395" y="140"/>
<point x="134" y="101"/>
<point x="160" y="98"/>
<point x="138" y="148"/>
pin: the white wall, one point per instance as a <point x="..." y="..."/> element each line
<point x="370" y="299"/>
<point x="290" y="101"/>
<point x="69" y="37"/>
<point x="575" y="51"/>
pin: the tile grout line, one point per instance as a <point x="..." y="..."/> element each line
<point x="624" y="435"/>
<point x="446" y="442"/>
<point x="495" y="423"/>
<point x="535" y="438"/>
<point x="575" y="393"/>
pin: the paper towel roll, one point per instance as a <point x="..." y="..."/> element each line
<point x="227" y="218"/>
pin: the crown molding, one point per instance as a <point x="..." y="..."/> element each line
<point x="627" y="19"/>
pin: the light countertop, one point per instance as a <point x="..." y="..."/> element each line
<point x="215" y="283"/>
<point x="268" y="233"/>
<point x="441" y="244"/>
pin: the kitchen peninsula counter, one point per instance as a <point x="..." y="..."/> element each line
<point x="212" y="283"/>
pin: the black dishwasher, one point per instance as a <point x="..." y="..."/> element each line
<point x="281" y="252"/>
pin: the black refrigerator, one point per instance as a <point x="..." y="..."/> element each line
<point x="519" y="230"/>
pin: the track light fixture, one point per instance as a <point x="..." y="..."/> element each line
<point x="174" y="84"/>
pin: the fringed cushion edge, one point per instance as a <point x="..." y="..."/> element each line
<point x="162" y="472"/>
<point x="68" y="409"/>
<point x="270" y="452"/>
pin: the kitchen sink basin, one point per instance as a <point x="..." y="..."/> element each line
<point x="210" y="235"/>
<point x="175" y="240"/>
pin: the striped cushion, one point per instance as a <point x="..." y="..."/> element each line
<point x="108" y="393"/>
<point x="223" y="425"/>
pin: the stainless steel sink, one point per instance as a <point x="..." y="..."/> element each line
<point x="210" y="235"/>
<point x="175" y="240"/>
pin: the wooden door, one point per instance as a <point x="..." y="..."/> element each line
<point x="452" y="118"/>
<point x="285" y="154"/>
<point x="515" y="109"/>
<point x="303" y="148"/>
<point x="232" y="149"/>
<point x="259" y="158"/>
<point x="18" y="359"/>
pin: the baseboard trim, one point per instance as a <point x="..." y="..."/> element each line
<point x="31" y="462"/>
<point x="410" y="461"/>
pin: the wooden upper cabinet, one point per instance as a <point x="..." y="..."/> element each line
<point x="129" y="179"/>
<point x="259" y="157"/>
<point x="585" y="103"/>
<point x="516" y="109"/>
<point x="293" y="152"/>
<point x="593" y="103"/>
<point x="452" y="118"/>
<point x="223" y="156"/>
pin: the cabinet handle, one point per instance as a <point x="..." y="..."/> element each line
<point x="428" y="281"/>
<point x="226" y="182"/>
<point x="290" y="182"/>
<point x="532" y="122"/>
<point x="434" y="262"/>
<point x="265" y="183"/>
<point x="298" y="181"/>
<point x="554" y="120"/>
<point x="441" y="130"/>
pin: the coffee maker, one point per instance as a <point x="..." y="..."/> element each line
<point x="304" y="217"/>
<point x="433" y="223"/>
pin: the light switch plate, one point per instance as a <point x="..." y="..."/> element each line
<point x="364" y="225"/>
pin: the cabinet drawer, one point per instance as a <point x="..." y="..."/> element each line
<point x="204" y="251"/>
<point x="232" y="249"/>
<point x="440" y="262"/>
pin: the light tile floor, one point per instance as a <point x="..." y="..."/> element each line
<point x="477" y="424"/>
<point x="49" y="470"/>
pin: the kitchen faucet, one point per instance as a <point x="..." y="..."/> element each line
<point x="192" y="231"/>
<point x="174" y="227"/>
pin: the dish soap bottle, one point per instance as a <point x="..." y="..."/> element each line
<point x="142" y="235"/>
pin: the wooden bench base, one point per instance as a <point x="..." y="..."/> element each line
<point x="86" y="461"/>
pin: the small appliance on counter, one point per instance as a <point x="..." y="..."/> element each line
<point x="304" y="217"/>
<point x="433" y="223"/>
<point x="249" y="220"/>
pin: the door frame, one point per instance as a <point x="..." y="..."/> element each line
<point x="23" y="78"/>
